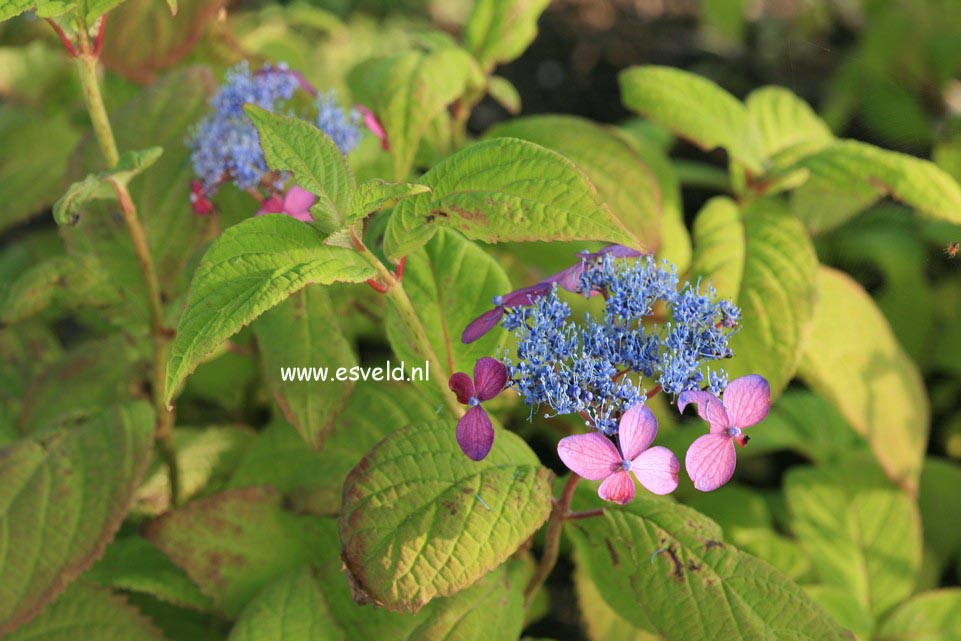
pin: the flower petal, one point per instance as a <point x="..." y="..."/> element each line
<point x="526" y="296"/>
<point x="462" y="385"/>
<point x="297" y="203"/>
<point x="636" y="431"/>
<point x="589" y="455"/>
<point x="620" y="251"/>
<point x="709" y="408"/>
<point x="569" y="279"/>
<point x="272" y="205"/>
<point x="618" y="487"/>
<point x="747" y="400"/>
<point x="482" y="324"/>
<point x="475" y="433"/>
<point x="710" y="461"/>
<point x="373" y="124"/>
<point x="657" y="469"/>
<point x="490" y="377"/>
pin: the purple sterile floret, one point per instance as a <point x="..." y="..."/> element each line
<point x="711" y="459"/>
<point x="475" y="432"/>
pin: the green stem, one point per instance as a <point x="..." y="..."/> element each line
<point x="397" y="295"/>
<point x="87" y="65"/>
<point x="560" y="511"/>
<point x="163" y="433"/>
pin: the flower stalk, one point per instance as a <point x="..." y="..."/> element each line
<point x="392" y="286"/>
<point x="87" y="60"/>
<point x="560" y="512"/>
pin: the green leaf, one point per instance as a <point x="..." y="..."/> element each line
<point x="845" y="608"/>
<point x="720" y="246"/>
<point x="861" y="532"/>
<point x="89" y="377"/>
<point x="86" y="611"/>
<point x="467" y="615"/>
<point x="696" y="109"/>
<point x="12" y="8"/>
<point x="66" y="211"/>
<point x="134" y="564"/>
<point x="940" y="506"/>
<point x="850" y="355"/>
<point x="747" y="523"/>
<point x="303" y="331"/>
<point x="375" y="195"/>
<point x="890" y="241"/>
<point x="674" y="236"/>
<point x="292" y="608"/>
<point x="96" y="8"/>
<point x="206" y="458"/>
<point x="724" y="21"/>
<point x="809" y="425"/>
<point x="232" y="544"/>
<point x="63" y="494"/>
<point x="653" y="559"/>
<point x="505" y="94"/>
<point x="789" y="127"/>
<point x="45" y="8"/>
<point x="25" y="350"/>
<point x="143" y="40"/>
<point x="930" y="616"/>
<point x="408" y="92"/>
<point x="252" y="267"/>
<point x="498" y="31"/>
<point x="622" y="178"/>
<point x="420" y="520"/>
<point x="601" y="622"/>
<point x="33" y="160"/>
<point x="504" y="190"/>
<point x="61" y="283"/>
<point x="849" y="176"/>
<point x="295" y="145"/>
<point x="771" y="254"/>
<point x="450" y="282"/>
<point x="314" y="480"/>
<point x="317" y="604"/>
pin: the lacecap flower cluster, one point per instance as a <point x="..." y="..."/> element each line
<point x="226" y="147"/>
<point x="655" y="335"/>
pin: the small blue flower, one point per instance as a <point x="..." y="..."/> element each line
<point x="597" y="367"/>
<point x="343" y="128"/>
<point x="225" y="144"/>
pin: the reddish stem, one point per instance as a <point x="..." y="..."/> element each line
<point x="98" y="43"/>
<point x="585" y="514"/>
<point x="377" y="286"/>
<point x="654" y="392"/>
<point x="399" y="270"/>
<point x="67" y="43"/>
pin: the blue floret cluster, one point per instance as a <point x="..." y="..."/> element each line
<point x="653" y="330"/>
<point x="225" y="145"/>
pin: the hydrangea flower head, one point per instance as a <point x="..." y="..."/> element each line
<point x="343" y="128"/>
<point x="655" y="334"/>
<point x="596" y="458"/>
<point x="475" y="432"/>
<point x="225" y="145"/>
<point x="598" y="367"/>
<point x="711" y="459"/>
